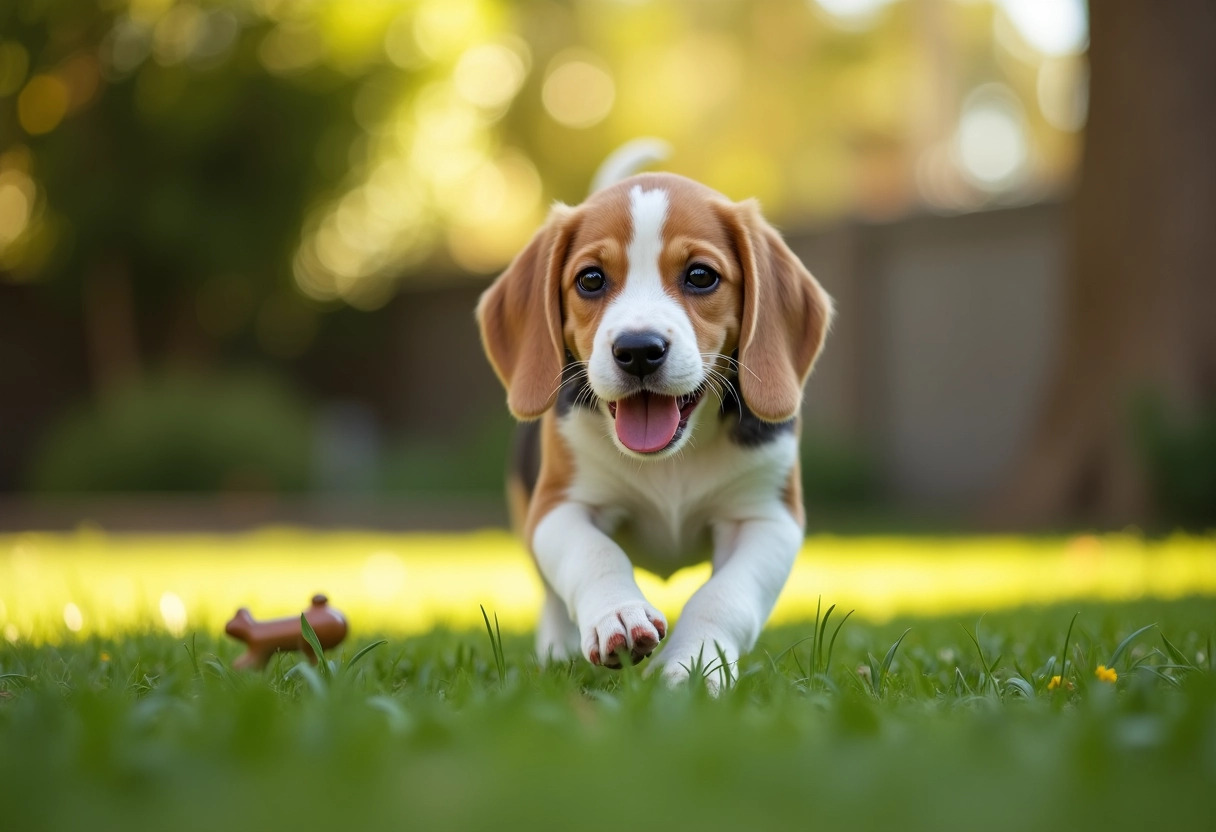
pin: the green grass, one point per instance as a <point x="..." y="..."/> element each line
<point x="952" y="727"/>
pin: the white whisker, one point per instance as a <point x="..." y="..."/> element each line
<point x="733" y="362"/>
<point x="573" y="376"/>
<point x="720" y="381"/>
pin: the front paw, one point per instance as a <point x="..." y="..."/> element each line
<point x="675" y="674"/>
<point x="631" y="630"/>
<point x="711" y="662"/>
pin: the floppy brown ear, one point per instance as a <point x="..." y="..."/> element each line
<point x="520" y="320"/>
<point x="786" y="315"/>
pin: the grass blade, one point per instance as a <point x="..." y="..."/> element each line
<point x="310" y="636"/>
<point x="502" y="659"/>
<point x="1021" y="686"/>
<point x="355" y="659"/>
<point x="495" y="645"/>
<point x="975" y="639"/>
<point x="723" y="668"/>
<point x="794" y="655"/>
<point x="1177" y="655"/>
<point x="1049" y="667"/>
<point x="817" y="640"/>
<point x="1162" y="676"/>
<point x="789" y="649"/>
<point x="828" y="666"/>
<point x="310" y="676"/>
<point x="1114" y="657"/>
<point x="399" y="720"/>
<point x="961" y="681"/>
<point x="220" y="670"/>
<point x="192" y="650"/>
<point x="874" y="676"/>
<point x="1064" y="654"/>
<point x="823" y="628"/>
<point x="887" y="659"/>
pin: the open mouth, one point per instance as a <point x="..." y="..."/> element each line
<point x="648" y="422"/>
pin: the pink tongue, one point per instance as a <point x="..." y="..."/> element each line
<point x="646" y="422"/>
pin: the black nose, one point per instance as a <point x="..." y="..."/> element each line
<point x="640" y="353"/>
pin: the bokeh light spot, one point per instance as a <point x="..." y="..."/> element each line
<point x="578" y="91"/>
<point x="1052" y="27"/>
<point x="853" y="14"/>
<point x="991" y="140"/>
<point x="490" y="74"/>
<point x="42" y="104"/>
<point x="442" y="28"/>
<point x="16" y="204"/>
<point x="14" y="63"/>
<point x="125" y="47"/>
<point x="176" y="33"/>
<point x="173" y="613"/>
<point x="148" y="11"/>
<point x="291" y="47"/>
<point x="73" y="619"/>
<point x="498" y="211"/>
<point x="216" y="38"/>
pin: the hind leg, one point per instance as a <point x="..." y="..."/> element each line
<point x="556" y="635"/>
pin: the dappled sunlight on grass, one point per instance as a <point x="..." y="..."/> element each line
<point x="54" y="585"/>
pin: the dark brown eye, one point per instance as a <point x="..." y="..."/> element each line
<point x="590" y="282"/>
<point x="699" y="278"/>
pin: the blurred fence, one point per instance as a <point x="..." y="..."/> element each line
<point x="945" y="333"/>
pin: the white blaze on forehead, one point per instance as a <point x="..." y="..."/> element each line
<point x="648" y="211"/>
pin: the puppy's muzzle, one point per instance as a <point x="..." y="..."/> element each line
<point x="640" y="353"/>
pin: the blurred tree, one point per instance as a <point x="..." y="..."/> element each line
<point x="1142" y="294"/>
<point x="172" y="172"/>
<point x="163" y="161"/>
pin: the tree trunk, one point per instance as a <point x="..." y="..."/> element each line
<point x="1141" y="299"/>
<point x="109" y="315"/>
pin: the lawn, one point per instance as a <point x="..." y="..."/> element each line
<point x="118" y="709"/>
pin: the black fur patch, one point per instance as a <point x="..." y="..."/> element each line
<point x="575" y="391"/>
<point x="525" y="450"/>
<point x="748" y="429"/>
<point x="525" y="455"/>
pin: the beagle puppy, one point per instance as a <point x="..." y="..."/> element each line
<point x="655" y="340"/>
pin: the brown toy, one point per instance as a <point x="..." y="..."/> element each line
<point x="267" y="637"/>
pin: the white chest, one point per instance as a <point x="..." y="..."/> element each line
<point x="662" y="511"/>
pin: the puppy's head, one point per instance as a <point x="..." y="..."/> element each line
<point x="663" y="291"/>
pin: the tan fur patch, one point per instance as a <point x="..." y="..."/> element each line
<point x="556" y="472"/>
<point x="791" y="495"/>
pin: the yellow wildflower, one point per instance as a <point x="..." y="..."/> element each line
<point x="1106" y="674"/>
<point x="105" y="657"/>
<point x="1056" y="682"/>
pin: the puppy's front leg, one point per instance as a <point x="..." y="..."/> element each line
<point x="594" y="577"/>
<point x="723" y="619"/>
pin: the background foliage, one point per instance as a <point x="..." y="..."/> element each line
<point x="215" y="185"/>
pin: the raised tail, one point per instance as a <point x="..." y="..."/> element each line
<point x="628" y="159"/>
